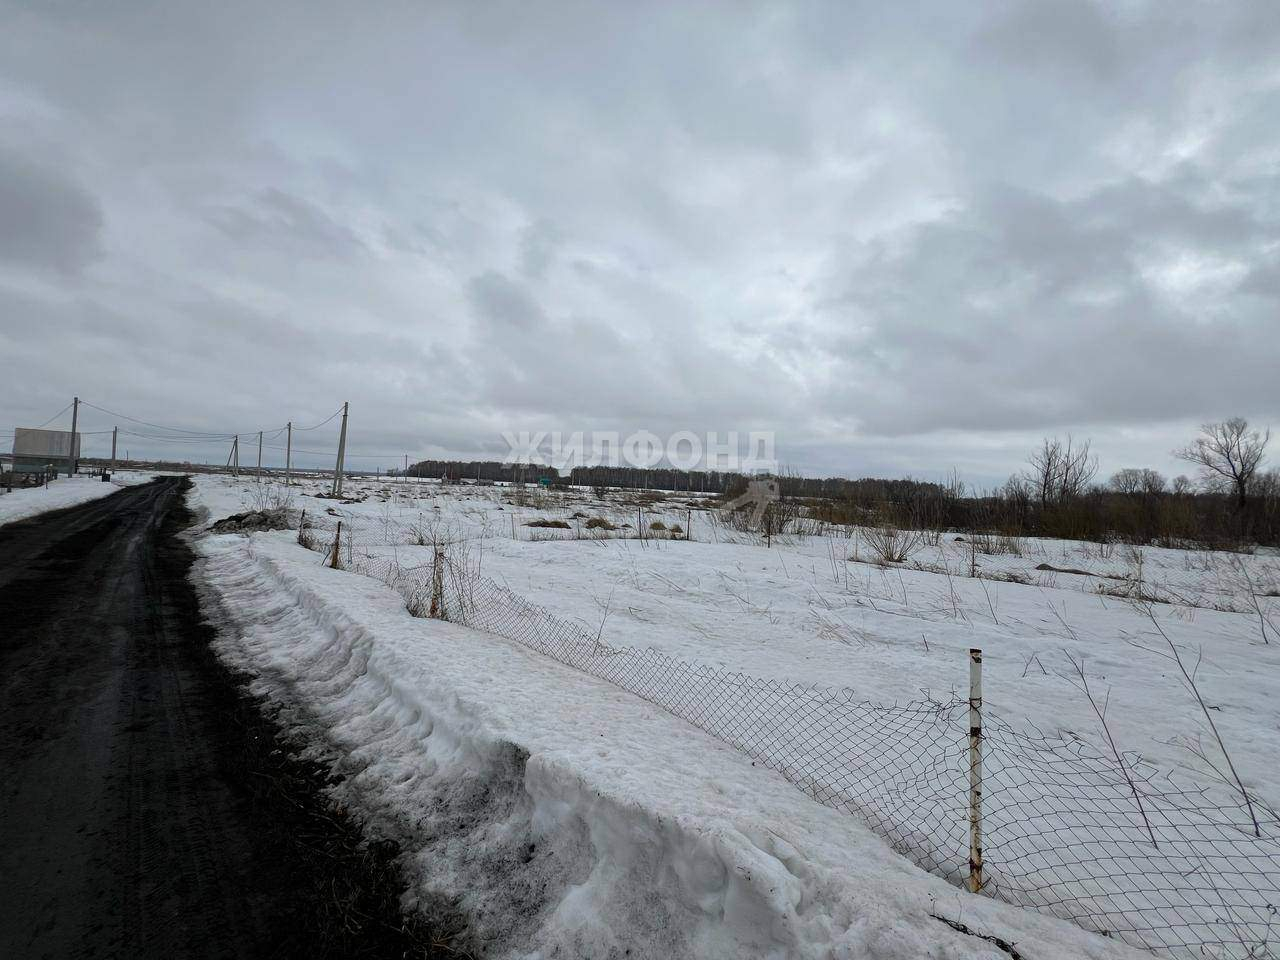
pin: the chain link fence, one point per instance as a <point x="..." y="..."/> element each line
<point x="1105" y="841"/>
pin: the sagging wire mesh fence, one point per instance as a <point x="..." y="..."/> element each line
<point x="1100" y="839"/>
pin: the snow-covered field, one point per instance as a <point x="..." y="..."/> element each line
<point x="556" y="812"/>
<point x="63" y="492"/>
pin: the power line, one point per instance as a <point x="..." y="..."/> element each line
<point x="180" y="432"/>
<point x="207" y="434"/>
<point x="56" y="416"/>
<point x="170" y="438"/>
<point x="329" y="453"/>
<point x="337" y="413"/>
<point x="182" y="435"/>
<point x="158" y="426"/>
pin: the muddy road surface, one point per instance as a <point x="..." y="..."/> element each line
<point x="147" y="807"/>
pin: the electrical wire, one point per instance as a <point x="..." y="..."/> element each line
<point x="194" y="435"/>
<point x="182" y="435"/>
<point x="317" y="453"/>
<point x="156" y="426"/>
<point x="349" y="456"/>
<point x="56" y="415"/>
<point x="212" y="435"/>
<point x="173" y="433"/>
<point x="333" y="417"/>
<point x="226" y="437"/>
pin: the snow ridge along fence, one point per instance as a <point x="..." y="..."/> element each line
<point x="1071" y="830"/>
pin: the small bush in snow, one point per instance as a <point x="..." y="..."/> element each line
<point x="269" y="498"/>
<point x="892" y="545"/>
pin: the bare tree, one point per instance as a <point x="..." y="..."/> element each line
<point x="1228" y="454"/>
<point x="1079" y="467"/>
<point x="1182" y="485"/>
<point x="1267" y="485"/>
<point x="1046" y="465"/>
<point x="1060" y="472"/>
<point x="1133" y="480"/>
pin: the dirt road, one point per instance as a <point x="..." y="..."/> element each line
<point x="147" y="808"/>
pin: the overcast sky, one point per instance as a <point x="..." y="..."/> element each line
<point x="905" y="237"/>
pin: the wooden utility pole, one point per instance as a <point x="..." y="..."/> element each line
<point x="114" y="432"/>
<point x="235" y="456"/>
<point x="288" y="456"/>
<point x="259" y="456"/>
<point x="342" y="452"/>
<point x="71" y="452"/>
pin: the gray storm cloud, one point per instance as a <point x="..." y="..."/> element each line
<point x="903" y="237"/>
<point x="46" y="219"/>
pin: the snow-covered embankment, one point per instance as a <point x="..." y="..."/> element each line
<point x="554" y="814"/>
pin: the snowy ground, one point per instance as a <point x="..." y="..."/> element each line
<point x="63" y="492"/>
<point x="659" y="833"/>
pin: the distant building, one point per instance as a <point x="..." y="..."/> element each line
<point x="34" y="450"/>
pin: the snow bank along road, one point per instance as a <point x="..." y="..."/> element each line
<point x="546" y="813"/>
<point x="147" y="809"/>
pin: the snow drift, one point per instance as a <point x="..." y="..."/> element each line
<point x="551" y="814"/>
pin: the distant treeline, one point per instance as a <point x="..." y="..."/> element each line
<point x="1097" y="513"/>
<point x="624" y="477"/>
<point x="1211" y="520"/>
<point x="680" y="481"/>
<point x="1188" y="518"/>
<point x="1235" y="502"/>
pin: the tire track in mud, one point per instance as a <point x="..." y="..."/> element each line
<point x="148" y="808"/>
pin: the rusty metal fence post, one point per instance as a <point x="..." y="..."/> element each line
<point x="337" y="539"/>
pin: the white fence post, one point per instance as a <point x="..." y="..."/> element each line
<point x="975" y="770"/>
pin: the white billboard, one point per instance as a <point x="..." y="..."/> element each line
<point x="44" y="444"/>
